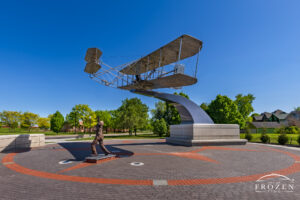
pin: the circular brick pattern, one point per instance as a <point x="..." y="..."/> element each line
<point x="196" y="155"/>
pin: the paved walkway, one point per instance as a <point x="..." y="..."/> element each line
<point x="151" y="169"/>
<point x="65" y="138"/>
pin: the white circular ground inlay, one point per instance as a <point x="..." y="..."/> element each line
<point x="63" y="162"/>
<point x="136" y="164"/>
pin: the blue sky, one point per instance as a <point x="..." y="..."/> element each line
<point x="248" y="47"/>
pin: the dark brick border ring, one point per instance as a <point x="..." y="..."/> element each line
<point x="8" y="161"/>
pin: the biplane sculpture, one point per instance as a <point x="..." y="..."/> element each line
<point x="160" y="69"/>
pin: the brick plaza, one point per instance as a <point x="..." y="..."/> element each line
<point x="147" y="169"/>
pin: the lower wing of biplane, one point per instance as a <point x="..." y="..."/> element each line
<point x="172" y="81"/>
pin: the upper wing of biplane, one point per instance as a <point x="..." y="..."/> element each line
<point x="183" y="47"/>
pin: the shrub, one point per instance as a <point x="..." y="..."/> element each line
<point x="264" y="138"/>
<point x="292" y="130"/>
<point x="283" y="139"/>
<point x="248" y="136"/>
<point x="280" y="130"/>
<point x="298" y="139"/>
<point x="288" y="130"/>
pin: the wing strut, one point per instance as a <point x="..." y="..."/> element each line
<point x="179" y="53"/>
<point x="196" y="69"/>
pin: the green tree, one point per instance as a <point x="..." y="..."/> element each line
<point x="250" y="119"/>
<point x="104" y="116"/>
<point x="56" y="122"/>
<point x="83" y="113"/>
<point x="255" y="114"/>
<point x="89" y="121"/>
<point x="167" y="111"/>
<point x="182" y="94"/>
<point x="159" y="111"/>
<point x="204" y="106"/>
<point x="171" y="115"/>
<point x="44" y="123"/>
<point x="115" y="119"/>
<point x="223" y="110"/>
<point x="73" y="119"/>
<point x="133" y="114"/>
<point x="297" y="108"/>
<point x="29" y="120"/>
<point x="10" y="119"/>
<point x="148" y="126"/>
<point x="244" y="104"/>
<point x="160" y="127"/>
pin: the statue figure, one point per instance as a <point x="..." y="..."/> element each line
<point x="99" y="138"/>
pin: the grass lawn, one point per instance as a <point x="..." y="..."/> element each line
<point x="273" y="138"/>
<point x="36" y="132"/>
<point x="140" y="136"/>
<point x="20" y="131"/>
<point x="255" y="136"/>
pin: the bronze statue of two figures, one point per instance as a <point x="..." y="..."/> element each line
<point x="162" y="69"/>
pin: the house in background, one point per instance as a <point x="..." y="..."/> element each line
<point x="268" y="125"/>
<point x="294" y="118"/>
<point x="276" y="119"/>
<point x="276" y="116"/>
<point x="279" y="116"/>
